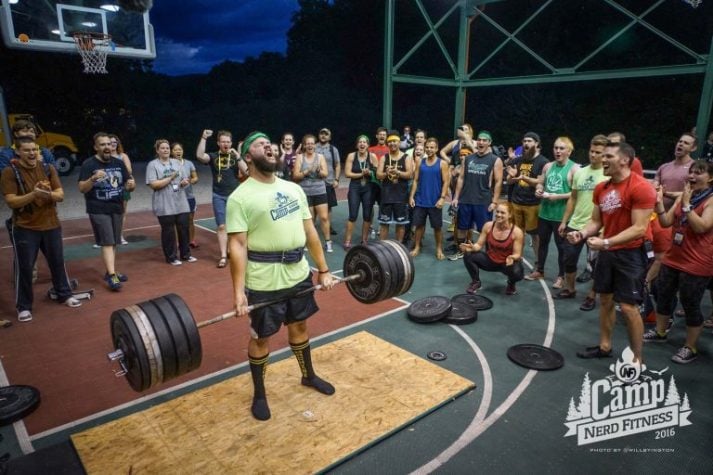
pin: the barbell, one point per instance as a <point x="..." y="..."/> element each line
<point x="158" y="340"/>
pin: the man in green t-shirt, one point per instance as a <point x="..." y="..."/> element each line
<point x="576" y="215"/>
<point x="553" y="188"/>
<point x="268" y="224"/>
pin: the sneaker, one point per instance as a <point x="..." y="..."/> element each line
<point x="24" y="316"/>
<point x="120" y="276"/>
<point x="72" y="302"/>
<point x="96" y="246"/>
<point x="594" y="352"/>
<point x="455" y="256"/>
<point x="669" y="325"/>
<point x="510" y="289"/>
<point x="473" y="287"/>
<point x="708" y="322"/>
<point x="559" y="283"/>
<point x="113" y="281"/>
<point x="190" y="259"/>
<point x="588" y="304"/>
<point x="684" y="355"/>
<point x="175" y="262"/>
<point x="651" y="335"/>
<point x="124" y="242"/>
<point x="585" y="276"/>
<point x="565" y="294"/>
<point x="535" y="275"/>
<point x="328" y="246"/>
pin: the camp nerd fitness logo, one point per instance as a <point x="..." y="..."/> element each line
<point x="626" y="403"/>
<point x="285" y="206"/>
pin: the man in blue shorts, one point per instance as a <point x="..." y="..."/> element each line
<point x="477" y="190"/>
<point x="268" y="224"/>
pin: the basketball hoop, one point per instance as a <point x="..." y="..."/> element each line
<point x="93" y="48"/>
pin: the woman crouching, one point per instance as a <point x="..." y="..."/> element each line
<point x="499" y="249"/>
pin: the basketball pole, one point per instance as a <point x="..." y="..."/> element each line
<point x="5" y="124"/>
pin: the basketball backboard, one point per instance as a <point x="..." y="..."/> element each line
<point x="48" y="25"/>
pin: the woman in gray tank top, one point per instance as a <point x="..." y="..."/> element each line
<point x="309" y="171"/>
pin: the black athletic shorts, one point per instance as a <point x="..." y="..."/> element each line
<point x="622" y="273"/>
<point x="267" y="321"/>
<point x="393" y="213"/>
<point x="331" y="196"/>
<point x="435" y="217"/>
<point x="316" y="200"/>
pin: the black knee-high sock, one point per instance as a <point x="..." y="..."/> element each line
<point x="258" y="367"/>
<point x="304" y="358"/>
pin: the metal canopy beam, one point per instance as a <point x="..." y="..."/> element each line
<point x="463" y="79"/>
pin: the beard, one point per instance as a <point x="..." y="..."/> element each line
<point x="529" y="153"/>
<point x="263" y="166"/>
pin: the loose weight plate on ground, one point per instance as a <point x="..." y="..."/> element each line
<point x="461" y="314"/>
<point x="532" y="356"/>
<point x="480" y="302"/>
<point x="17" y="402"/>
<point x="436" y="355"/>
<point x="429" y="309"/>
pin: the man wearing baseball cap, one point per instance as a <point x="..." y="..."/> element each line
<point x="522" y="175"/>
<point x="334" y="167"/>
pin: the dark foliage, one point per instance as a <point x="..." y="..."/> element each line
<point x="332" y="75"/>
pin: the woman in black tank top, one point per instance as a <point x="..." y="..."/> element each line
<point x="358" y="168"/>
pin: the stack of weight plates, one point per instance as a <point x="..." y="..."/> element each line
<point x="459" y="310"/>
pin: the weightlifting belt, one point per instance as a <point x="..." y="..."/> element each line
<point x="284" y="257"/>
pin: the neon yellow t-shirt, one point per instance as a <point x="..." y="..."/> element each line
<point x="584" y="181"/>
<point x="272" y="215"/>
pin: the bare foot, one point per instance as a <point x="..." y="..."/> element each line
<point x="439" y="255"/>
<point x="416" y="251"/>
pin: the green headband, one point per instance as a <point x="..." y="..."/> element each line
<point x="249" y="141"/>
<point x="485" y="134"/>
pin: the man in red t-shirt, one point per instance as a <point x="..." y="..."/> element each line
<point x="622" y="206"/>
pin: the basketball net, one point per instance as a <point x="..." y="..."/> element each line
<point x="693" y="3"/>
<point x="93" y="48"/>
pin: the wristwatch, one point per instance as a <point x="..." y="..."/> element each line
<point x="686" y="209"/>
<point x="606" y="244"/>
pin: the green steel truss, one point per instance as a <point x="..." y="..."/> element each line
<point x="463" y="78"/>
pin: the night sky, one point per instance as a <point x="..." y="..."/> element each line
<point x="194" y="35"/>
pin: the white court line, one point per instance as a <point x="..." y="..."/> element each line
<point x="201" y="379"/>
<point x="478" y="425"/>
<point x="83" y="236"/>
<point x="203" y="227"/>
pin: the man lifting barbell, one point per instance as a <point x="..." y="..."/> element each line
<point x="268" y="223"/>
